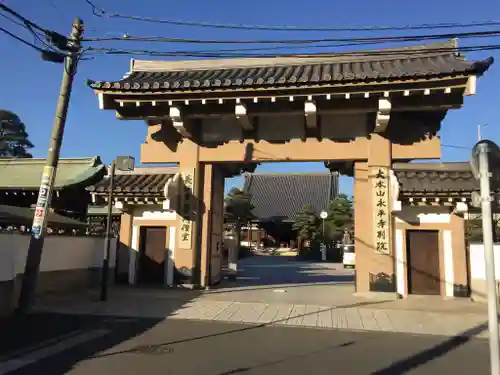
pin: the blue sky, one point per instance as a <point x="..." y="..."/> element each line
<point x="31" y="86"/>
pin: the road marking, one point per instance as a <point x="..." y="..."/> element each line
<point x="48" y="351"/>
<point x="38" y="345"/>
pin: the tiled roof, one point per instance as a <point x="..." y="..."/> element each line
<point x="282" y="196"/>
<point x="142" y="181"/>
<point x="25" y="174"/>
<point x="424" y="61"/>
<point x="435" y="177"/>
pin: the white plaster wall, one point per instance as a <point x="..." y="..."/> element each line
<point x="400" y="264"/>
<point x="449" y="271"/>
<point x="153" y="212"/>
<point x="59" y="253"/>
<point x="478" y="270"/>
<point x="423" y="215"/>
<point x="477" y="265"/>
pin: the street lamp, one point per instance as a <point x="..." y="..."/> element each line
<point x="122" y="163"/>
<point x="323" y="215"/>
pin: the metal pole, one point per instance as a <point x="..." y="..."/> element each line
<point x="35" y="248"/>
<point x="478" y="133"/>
<point x="489" y="259"/>
<point x="323" y="229"/>
<point x="107" y="241"/>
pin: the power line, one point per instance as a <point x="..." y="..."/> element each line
<point x="24" y="20"/>
<point x="57" y="40"/>
<point x="476" y="34"/>
<point x="19" y="39"/>
<point x="30" y="29"/>
<point x="215" y="54"/>
<point x="100" y="12"/>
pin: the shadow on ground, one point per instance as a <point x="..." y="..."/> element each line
<point x="34" y="334"/>
<point x="192" y="347"/>
<point x="268" y="270"/>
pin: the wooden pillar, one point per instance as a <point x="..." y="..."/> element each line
<point x="212" y="222"/>
<point x="124" y="249"/>
<point x="188" y="254"/>
<point x="375" y="266"/>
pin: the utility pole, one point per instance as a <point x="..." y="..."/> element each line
<point x="482" y="153"/>
<point x="35" y="248"/>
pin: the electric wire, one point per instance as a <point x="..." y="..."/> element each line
<point x="36" y="36"/>
<point x="23" y="19"/>
<point x="102" y="13"/>
<point x="19" y="39"/>
<point x="375" y="53"/>
<point x="386" y="39"/>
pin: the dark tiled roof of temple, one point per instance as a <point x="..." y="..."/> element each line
<point x="435" y="177"/>
<point x="137" y="182"/>
<point x="414" y="62"/>
<point x="282" y="196"/>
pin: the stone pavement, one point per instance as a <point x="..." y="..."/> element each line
<point x="416" y="316"/>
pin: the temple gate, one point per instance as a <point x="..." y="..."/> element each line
<point x="359" y="112"/>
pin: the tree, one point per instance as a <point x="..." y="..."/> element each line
<point x="340" y="217"/>
<point x="14" y="142"/>
<point x="306" y="224"/>
<point x="239" y="209"/>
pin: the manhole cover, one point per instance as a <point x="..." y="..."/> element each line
<point x="154" y="349"/>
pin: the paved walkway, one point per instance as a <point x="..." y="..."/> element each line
<point x="279" y="291"/>
<point x="447" y="318"/>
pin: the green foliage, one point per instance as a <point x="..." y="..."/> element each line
<point x="238" y="205"/>
<point x="306" y="223"/>
<point x="340" y="217"/>
<point x="474" y="230"/>
<point x="14" y="142"/>
<point x="238" y="209"/>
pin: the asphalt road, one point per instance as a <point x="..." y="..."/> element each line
<point x="106" y="345"/>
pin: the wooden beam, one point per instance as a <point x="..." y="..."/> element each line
<point x="310" y="150"/>
<point x="311" y="114"/>
<point x="175" y="115"/>
<point x="383" y="115"/>
<point x="240" y="111"/>
<point x="127" y="108"/>
<point x="470" y="89"/>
